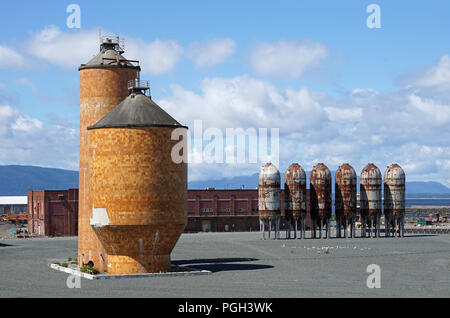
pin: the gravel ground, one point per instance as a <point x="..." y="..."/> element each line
<point x="245" y="266"/>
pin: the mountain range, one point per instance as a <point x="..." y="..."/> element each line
<point x="17" y="180"/>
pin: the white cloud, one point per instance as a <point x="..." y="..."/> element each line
<point x="26" y="141"/>
<point x="69" y="49"/>
<point x="9" y="58"/>
<point x="246" y="102"/>
<point x="65" y="49"/>
<point x="209" y="53"/>
<point x="157" y="57"/>
<point x="287" y="59"/>
<point x="435" y="76"/>
<point x="364" y="126"/>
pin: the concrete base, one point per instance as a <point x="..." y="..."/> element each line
<point x="76" y="272"/>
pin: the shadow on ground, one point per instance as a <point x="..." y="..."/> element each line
<point x="222" y="264"/>
<point x="5" y="245"/>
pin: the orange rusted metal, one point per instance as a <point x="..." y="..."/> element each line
<point x="269" y="198"/>
<point x="320" y="193"/>
<point x="295" y="199"/>
<point x="345" y="199"/>
<point x="394" y="199"/>
<point x="370" y="200"/>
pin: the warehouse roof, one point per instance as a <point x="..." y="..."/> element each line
<point x="13" y="200"/>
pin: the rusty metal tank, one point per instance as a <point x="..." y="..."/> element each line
<point x="345" y="198"/>
<point x="370" y="198"/>
<point x="295" y="198"/>
<point x="320" y="196"/>
<point x="138" y="191"/>
<point x="394" y="197"/>
<point x="269" y="198"/>
<point x="103" y="85"/>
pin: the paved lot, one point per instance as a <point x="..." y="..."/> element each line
<point x="245" y="266"/>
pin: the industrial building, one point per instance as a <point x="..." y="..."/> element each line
<point x="226" y="210"/>
<point x="53" y="212"/>
<point x="13" y="205"/>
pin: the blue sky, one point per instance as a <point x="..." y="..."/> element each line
<point x="358" y="94"/>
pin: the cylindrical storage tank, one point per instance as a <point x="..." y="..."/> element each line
<point x="138" y="189"/>
<point x="295" y="192"/>
<point x="269" y="193"/>
<point x="370" y="197"/>
<point x="295" y="198"/>
<point x="320" y="196"/>
<point x="394" y="196"/>
<point x="345" y="198"/>
<point x="103" y="85"/>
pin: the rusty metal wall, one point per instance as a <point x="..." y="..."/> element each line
<point x="394" y="191"/>
<point x="269" y="194"/>
<point x="143" y="193"/>
<point x="295" y="192"/>
<point x="345" y="192"/>
<point x="320" y="192"/>
<point x="370" y="192"/>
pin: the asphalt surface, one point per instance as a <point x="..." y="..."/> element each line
<point x="245" y="266"/>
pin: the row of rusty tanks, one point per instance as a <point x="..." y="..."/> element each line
<point x="345" y="200"/>
<point x="371" y="200"/>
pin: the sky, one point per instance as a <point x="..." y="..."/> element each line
<point x="337" y="90"/>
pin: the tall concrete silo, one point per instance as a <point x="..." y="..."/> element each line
<point x="370" y="200"/>
<point x="394" y="199"/>
<point x="295" y="199"/>
<point x="103" y="85"/>
<point x="320" y="194"/>
<point x="138" y="190"/>
<point x="345" y="199"/>
<point x="269" y="199"/>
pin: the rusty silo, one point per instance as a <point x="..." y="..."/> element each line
<point x="320" y="193"/>
<point x="345" y="199"/>
<point x="394" y="199"/>
<point x="295" y="199"/>
<point x="269" y="199"/>
<point x="370" y="200"/>
<point x="138" y="191"/>
<point x="103" y="85"/>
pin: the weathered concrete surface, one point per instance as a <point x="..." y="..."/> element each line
<point x="245" y="266"/>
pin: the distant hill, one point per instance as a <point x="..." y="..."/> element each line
<point x="17" y="180"/>
<point x="251" y="182"/>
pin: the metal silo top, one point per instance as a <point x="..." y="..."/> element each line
<point x="110" y="55"/>
<point x="137" y="110"/>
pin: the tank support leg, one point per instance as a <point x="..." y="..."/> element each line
<point x="320" y="228"/>
<point x="302" y="229"/>
<point x="363" y="227"/>
<point x="262" y="229"/>
<point x="295" y="229"/>
<point x="338" y="227"/>
<point x="395" y="227"/>
<point x="277" y="229"/>
<point x="386" y="227"/>
<point x="288" y="229"/>
<point x="345" y="228"/>
<point x="402" y="225"/>
<point x="270" y="227"/>
<point x="379" y="226"/>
